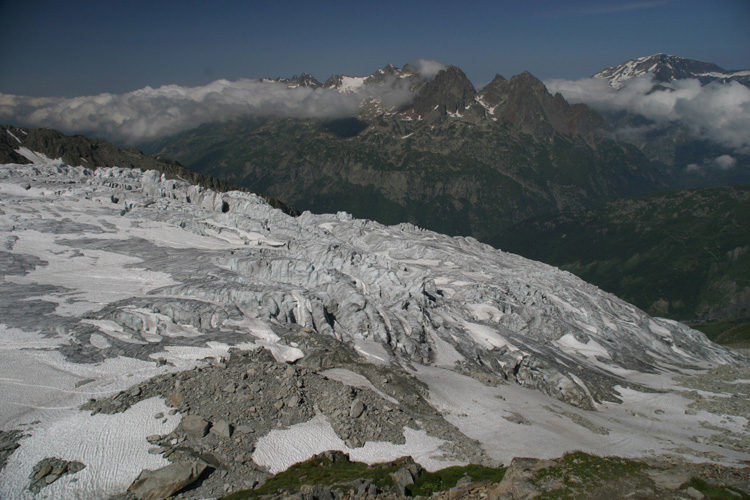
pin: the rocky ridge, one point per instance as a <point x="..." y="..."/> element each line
<point x="29" y="145"/>
<point x="666" y="68"/>
<point x="229" y="405"/>
<point x="442" y="156"/>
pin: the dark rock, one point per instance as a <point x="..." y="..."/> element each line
<point x="49" y="470"/>
<point x="308" y="492"/>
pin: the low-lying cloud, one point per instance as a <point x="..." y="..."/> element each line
<point x="717" y="111"/>
<point x="721" y="163"/>
<point x="150" y="113"/>
<point x="428" y="68"/>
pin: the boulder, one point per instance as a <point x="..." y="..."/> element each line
<point x="222" y="429"/>
<point x="174" y="399"/>
<point x="165" y="482"/>
<point x="308" y="492"/>
<point x="357" y="409"/>
<point x="195" y="426"/>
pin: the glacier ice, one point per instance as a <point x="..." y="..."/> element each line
<point x="142" y="262"/>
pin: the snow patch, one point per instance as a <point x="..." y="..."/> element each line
<point x="33" y="156"/>
<point x="13" y="136"/>
<point x="591" y="349"/>
<point x="113" y="448"/>
<point x="280" y="449"/>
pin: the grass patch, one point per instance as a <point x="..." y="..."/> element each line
<point x="580" y="472"/>
<point x="730" y="332"/>
<point x="322" y="471"/>
<point x="336" y="470"/>
<point x="444" y="479"/>
<point x="715" y="492"/>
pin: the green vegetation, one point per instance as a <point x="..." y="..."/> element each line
<point x="336" y="470"/>
<point x="457" y="177"/>
<point x="683" y="255"/>
<point x="574" y="475"/>
<point x="715" y="492"/>
<point x="444" y="479"/>
<point x="730" y="332"/>
<point x="321" y="470"/>
<point x="580" y="472"/>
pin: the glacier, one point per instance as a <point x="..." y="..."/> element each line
<point x="114" y="276"/>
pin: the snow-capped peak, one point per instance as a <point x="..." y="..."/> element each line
<point x="666" y="68"/>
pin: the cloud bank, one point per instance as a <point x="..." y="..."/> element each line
<point x="719" y="112"/>
<point x="150" y="113"/>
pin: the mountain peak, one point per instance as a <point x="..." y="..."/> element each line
<point x="449" y="92"/>
<point x="495" y="92"/>
<point x="303" y="80"/>
<point x="526" y="79"/>
<point x="525" y="102"/>
<point x="666" y="68"/>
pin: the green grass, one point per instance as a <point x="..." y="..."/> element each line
<point x="323" y="472"/>
<point x="680" y="254"/>
<point x="444" y="479"/>
<point x="730" y="332"/>
<point x="581" y="471"/>
<point x="715" y="492"/>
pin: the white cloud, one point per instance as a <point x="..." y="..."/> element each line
<point x="148" y="113"/>
<point x="427" y="68"/>
<point x="719" y="112"/>
<point x="723" y="162"/>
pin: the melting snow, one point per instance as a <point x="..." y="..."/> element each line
<point x="33" y="156"/>
<point x="280" y="449"/>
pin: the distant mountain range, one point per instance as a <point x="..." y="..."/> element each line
<point x="451" y="158"/>
<point x="684" y="146"/>
<point x="666" y="68"/>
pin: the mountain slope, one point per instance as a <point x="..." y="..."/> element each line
<point x="666" y="68"/>
<point x="690" y="113"/>
<point x="28" y="145"/>
<point x="453" y="159"/>
<point x="682" y="254"/>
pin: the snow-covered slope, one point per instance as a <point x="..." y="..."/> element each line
<point x="108" y="271"/>
<point x="666" y="68"/>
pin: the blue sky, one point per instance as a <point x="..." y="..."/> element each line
<point x="71" y="48"/>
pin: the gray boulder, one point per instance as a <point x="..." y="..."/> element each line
<point x="222" y="429"/>
<point x="357" y="408"/>
<point x="195" y="426"/>
<point x="165" y="482"/>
